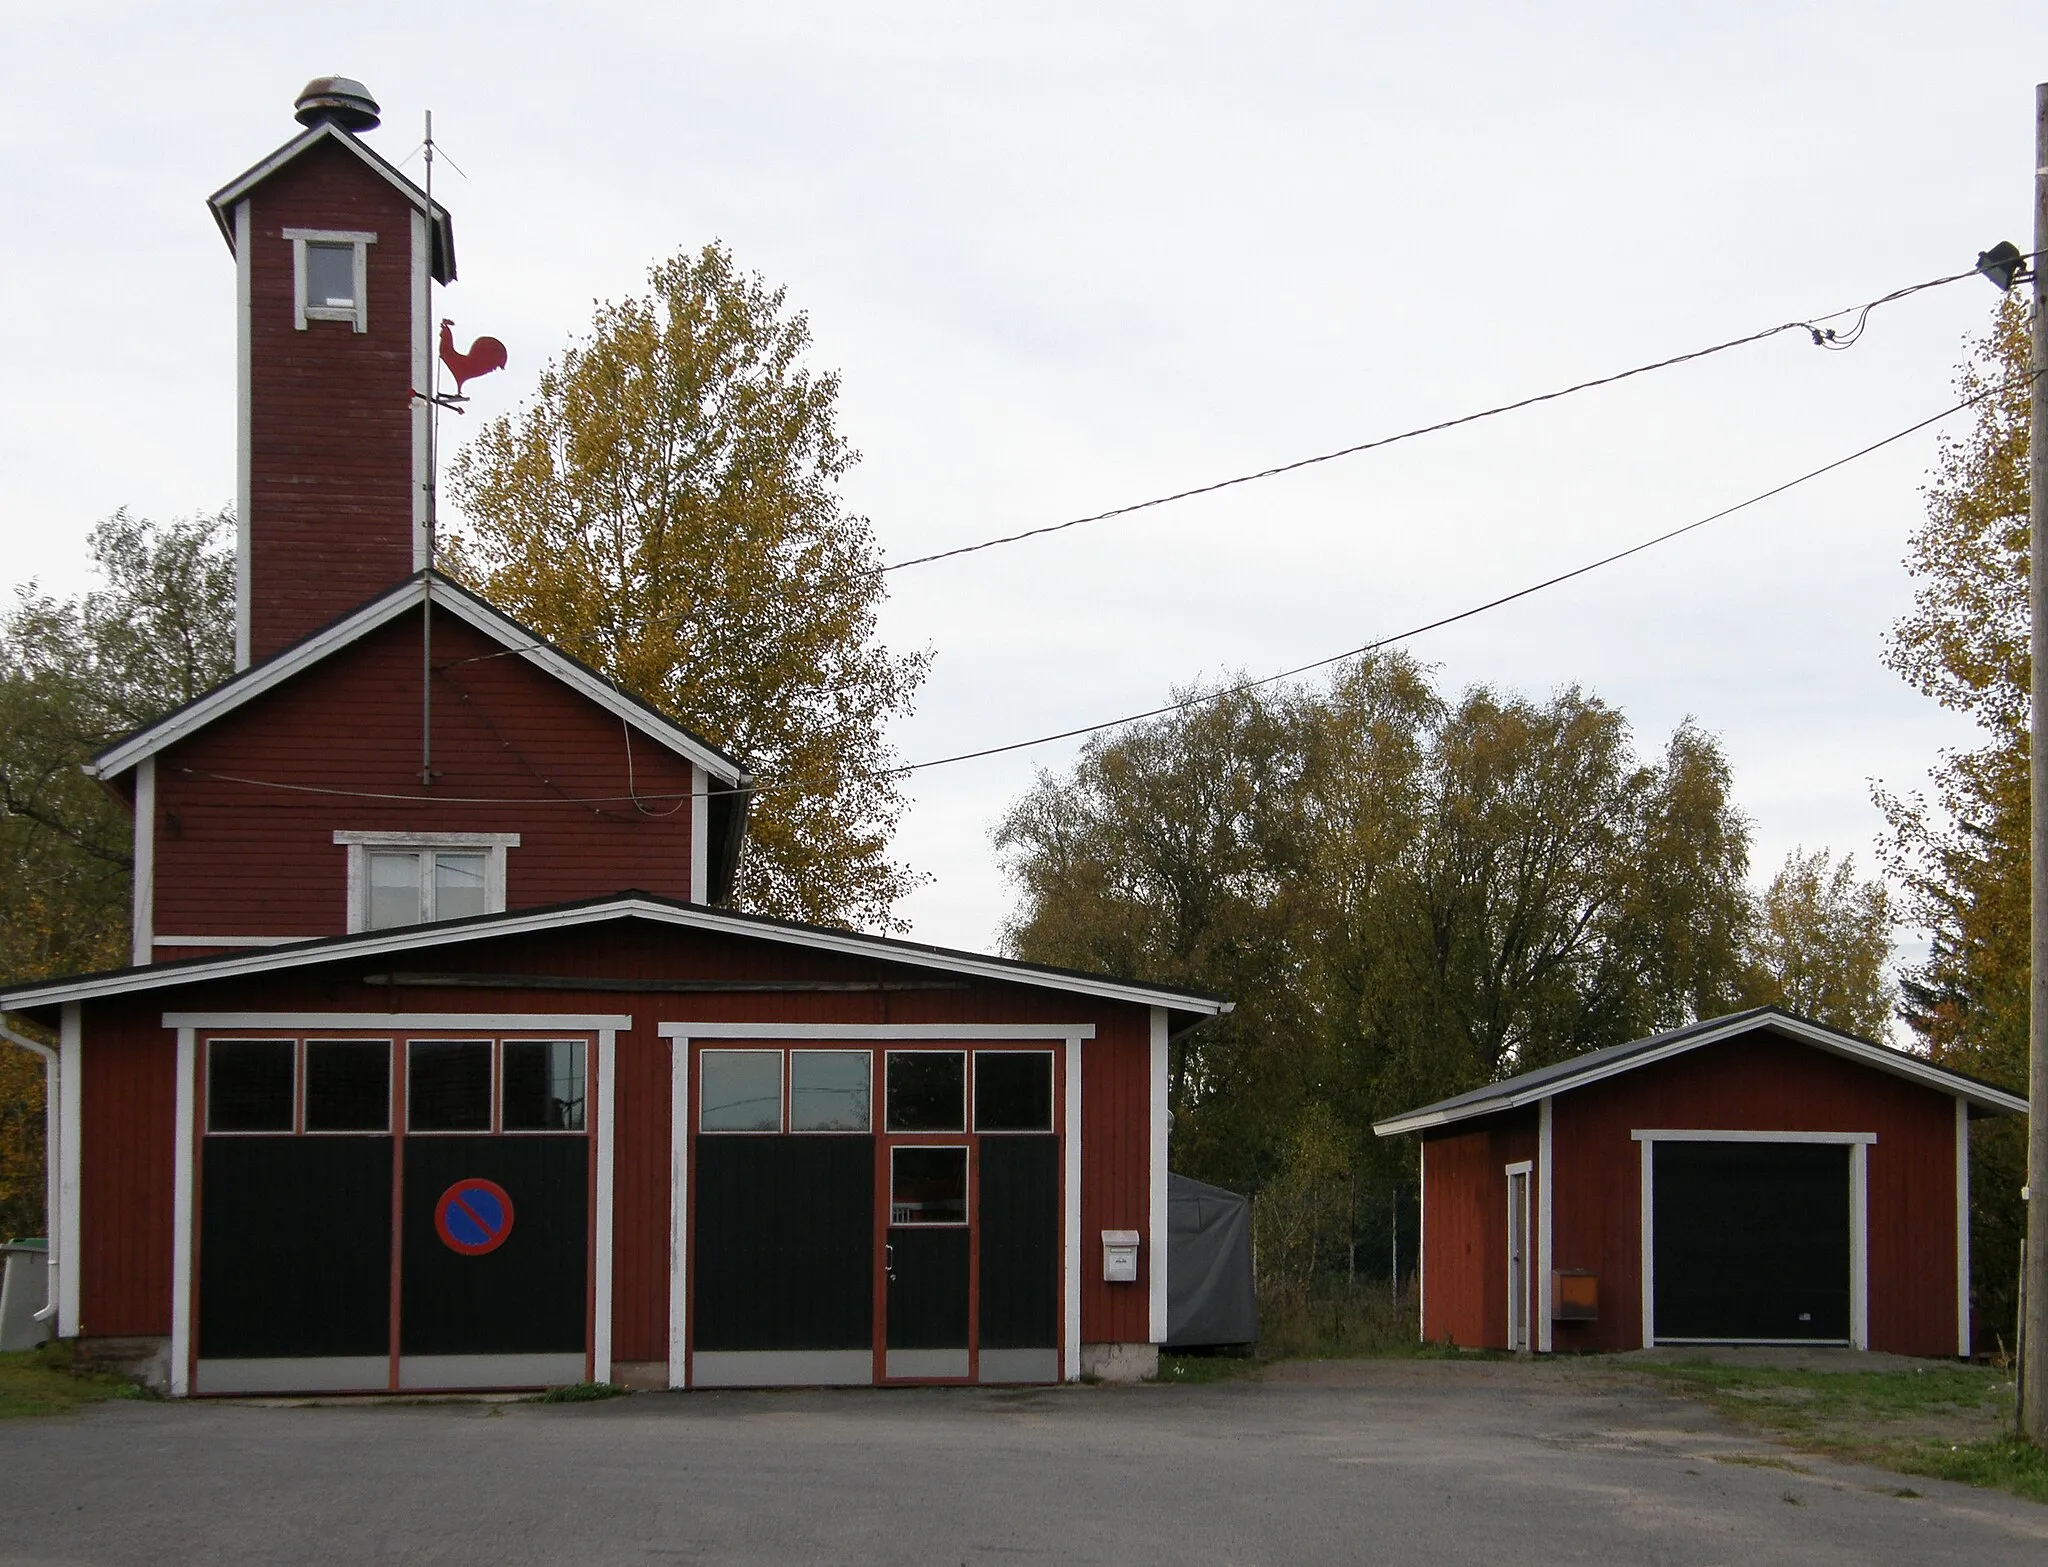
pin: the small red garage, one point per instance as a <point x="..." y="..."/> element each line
<point x="1755" y="1178"/>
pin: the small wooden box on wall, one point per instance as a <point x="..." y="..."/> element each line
<point x="1574" y="1295"/>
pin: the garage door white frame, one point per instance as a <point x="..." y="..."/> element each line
<point x="1858" y="1144"/>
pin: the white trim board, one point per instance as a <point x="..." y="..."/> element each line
<point x="700" y="835"/>
<point x="686" y="916"/>
<point x="401" y="600"/>
<point x="1963" y="1346"/>
<point x="580" y="1022"/>
<point x="182" y="1217"/>
<point x="881" y="1031"/>
<point x="423" y="382"/>
<point x="1858" y="1144"/>
<point x="244" y="412"/>
<point x="1544" y="1209"/>
<point x="601" y="1247"/>
<point x="1711" y="1135"/>
<point x="679" y="1214"/>
<point x="71" y="1147"/>
<point x="143" y="895"/>
<point x="1847" y="1045"/>
<point x="229" y="941"/>
<point x="1070" y="1316"/>
<point x="1156" y="1219"/>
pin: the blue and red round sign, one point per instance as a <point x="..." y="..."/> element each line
<point x="473" y="1216"/>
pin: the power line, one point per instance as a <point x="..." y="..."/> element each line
<point x="1171" y="707"/>
<point x="1447" y="620"/>
<point x="1822" y="338"/>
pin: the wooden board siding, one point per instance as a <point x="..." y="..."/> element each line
<point x="1465" y="1235"/>
<point x="127" y="1120"/>
<point x="1761" y="1082"/>
<point x="241" y="860"/>
<point x="129" y="1195"/>
<point x="330" y="439"/>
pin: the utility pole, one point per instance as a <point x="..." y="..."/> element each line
<point x="2034" y="1365"/>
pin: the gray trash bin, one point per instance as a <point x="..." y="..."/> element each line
<point x="24" y="1291"/>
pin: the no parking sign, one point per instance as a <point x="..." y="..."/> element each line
<point x="473" y="1216"/>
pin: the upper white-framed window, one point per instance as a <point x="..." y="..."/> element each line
<point x="331" y="276"/>
<point x="414" y="878"/>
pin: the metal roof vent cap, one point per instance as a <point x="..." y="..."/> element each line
<point x="342" y="100"/>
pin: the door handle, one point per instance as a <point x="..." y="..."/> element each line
<point x="889" y="1261"/>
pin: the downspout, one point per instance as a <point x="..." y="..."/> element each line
<point x="52" y="1132"/>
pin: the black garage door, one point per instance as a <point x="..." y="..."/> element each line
<point x="1751" y="1241"/>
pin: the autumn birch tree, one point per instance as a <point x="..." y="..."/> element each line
<point x="666" y="507"/>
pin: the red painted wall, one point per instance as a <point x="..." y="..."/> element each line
<point x="1762" y="1082"/>
<point x="330" y="436"/>
<point x="1465" y="1229"/>
<point x="129" y="1099"/>
<point x="126" y="1167"/>
<point x="236" y="858"/>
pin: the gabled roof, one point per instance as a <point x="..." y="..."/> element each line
<point x="223" y="200"/>
<point x="640" y="906"/>
<point x="1527" y="1088"/>
<point x="446" y="595"/>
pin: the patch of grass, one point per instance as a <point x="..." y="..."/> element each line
<point x="1200" y="1370"/>
<point x="46" y="1381"/>
<point x="1336" y="1320"/>
<point x="582" y="1393"/>
<point x="1948" y="1422"/>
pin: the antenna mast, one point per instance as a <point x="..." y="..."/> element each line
<point x="433" y="398"/>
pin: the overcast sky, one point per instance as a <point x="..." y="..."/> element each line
<point x="1070" y="256"/>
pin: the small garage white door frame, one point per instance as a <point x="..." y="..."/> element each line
<point x="1858" y="1144"/>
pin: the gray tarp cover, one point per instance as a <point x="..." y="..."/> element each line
<point x="1210" y="1298"/>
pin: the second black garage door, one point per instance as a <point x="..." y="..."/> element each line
<point x="1751" y="1241"/>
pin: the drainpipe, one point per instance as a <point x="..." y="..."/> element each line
<point x="52" y="1133"/>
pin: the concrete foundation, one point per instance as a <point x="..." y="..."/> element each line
<point x="1120" y="1362"/>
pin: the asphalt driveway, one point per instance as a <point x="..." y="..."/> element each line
<point x="1393" y="1461"/>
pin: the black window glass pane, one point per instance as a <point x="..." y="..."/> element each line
<point x="1013" y="1091"/>
<point x="928" y="1186"/>
<point x="543" y="1085"/>
<point x="449" y="1086"/>
<point x="348" y="1085"/>
<point x="249" y="1085"/>
<point x="330" y="276"/>
<point x="927" y="1090"/>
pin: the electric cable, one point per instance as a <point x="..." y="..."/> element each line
<point x="1189" y="703"/>
<point x="1822" y="338"/>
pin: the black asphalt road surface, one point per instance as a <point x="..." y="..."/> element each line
<point x="1399" y="1462"/>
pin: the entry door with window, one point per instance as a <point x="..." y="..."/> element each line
<point x="971" y="1220"/>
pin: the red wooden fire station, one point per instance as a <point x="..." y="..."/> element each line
<point x="442" y="1063"/>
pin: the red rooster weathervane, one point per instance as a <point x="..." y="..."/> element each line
<point x="485" y="355"/>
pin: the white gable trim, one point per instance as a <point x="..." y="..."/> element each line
<point x="423" y="937"/>
<point x="223" y="200"/>
<point x="1846" y="1045"/>
<point x="516" y="640"/>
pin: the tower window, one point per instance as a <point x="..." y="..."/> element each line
<point x="330" y="276"/>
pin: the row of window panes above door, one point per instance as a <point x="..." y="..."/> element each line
<point x="345" y="1085"/>
<point x="831" y="1090"/>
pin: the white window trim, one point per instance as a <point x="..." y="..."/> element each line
<point x="781" y="1093"/>
<point x="1858" y="1144"/>
<point x="358" y="314"/>
<point x="789" y="1093"/>
<point x="359" y="844"/>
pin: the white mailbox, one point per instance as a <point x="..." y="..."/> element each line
<point x="1120" y="1256"/>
